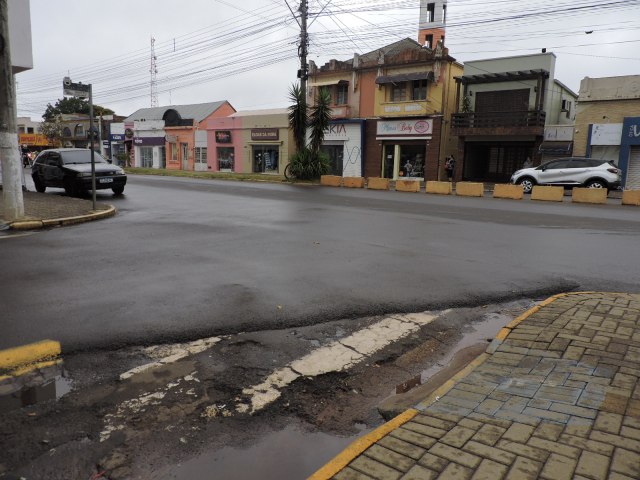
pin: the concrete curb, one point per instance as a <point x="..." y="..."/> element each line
<point x="55" y="222"/>
<point x="14" y="358"/>
<point x="356" y="448"/>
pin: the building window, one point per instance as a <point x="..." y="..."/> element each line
<point x="335" y="154"/>
<point x="30" y="130"/>
<point x="428" y="40"/>
<point x="419" y="90"/>
<point x="201" y="155"/>
<point x="66" y="132"/>
<point x="79" y="131"/>
<point x="226" y="159"/>
<point x="398" y="92"/>
<point x="146" y="157"/>
<point x="174" y="151"/>
<point x="342" y="94"/>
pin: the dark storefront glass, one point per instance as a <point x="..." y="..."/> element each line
<point x="336" y="154"/>
<point x="226" y="157"/>
<point x="266" y="158"/>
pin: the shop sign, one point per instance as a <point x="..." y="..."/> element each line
<point x="336" y="131"/>
<point x="223" y="136"/>
<point x="632" y="130"/>
<point x="408" y="128"/>
<point x="265" y="134"/>
<point x="171" y="138"/>
<point x="606" y="133"/>
<point x="558" y="134"/>
<point x="34" y="139"/>
<point x="128" y="132"/>
<point x="148" y="141"/>
<point x="117" y="137"/>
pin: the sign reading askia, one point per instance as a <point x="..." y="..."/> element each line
<point x="405" y="128"/>
<point x="265" y="134"/>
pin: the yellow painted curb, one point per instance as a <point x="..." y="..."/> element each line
<point x="331" y="180"/>
<point x="26" y="224"/>
<point x="26" y="354"/>
<point x="407" y="186"/>
<point x="507" y="190"/>
<point x="343" y="459"/>
<point x="35" y="224"/>
<point x="547" y="193"/>
<point x="377" y="183"/>
<point x="469" y="189"/>
<point x="438" y="188"/>
<point x="353" y="182"/>
<point x="34" y="366"/>
<point x="631" y="197"/>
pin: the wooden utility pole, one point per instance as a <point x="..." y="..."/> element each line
<point x="9" y="149"/>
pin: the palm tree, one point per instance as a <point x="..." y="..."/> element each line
<point x="319" y="121"/>
<point x="298" y="116"/>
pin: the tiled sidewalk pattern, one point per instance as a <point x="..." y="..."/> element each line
<point x="559" y="398"/>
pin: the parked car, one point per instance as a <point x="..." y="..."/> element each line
<point x="70" y="168"/>
<point x="570" y="172"/>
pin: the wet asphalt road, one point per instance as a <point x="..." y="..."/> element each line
<point x="187" y="258"/>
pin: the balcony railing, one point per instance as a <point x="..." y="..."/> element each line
<point x="524" y="118"/>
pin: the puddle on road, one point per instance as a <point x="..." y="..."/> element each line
<point x="50" y="389"/>
<point x="306" y="452"/>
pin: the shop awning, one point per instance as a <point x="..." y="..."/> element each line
<point x="405" y="77"/>
<point x="325" y="83"/>
<point x="556" y="148"/>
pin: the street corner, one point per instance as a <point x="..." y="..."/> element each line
<point x="35" y="224"/>
<point x="28" y="373"/>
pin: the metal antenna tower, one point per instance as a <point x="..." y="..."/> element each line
<point x="154" y="72"/>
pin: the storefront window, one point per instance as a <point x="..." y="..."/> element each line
<point x="266" y="158"/>
<point x="226" y="159"/>
<point x="335" y="153"/>
<point x="174" y="151"/>
<point x="163" y="157"/>
<point x="201" y="155"/>
<point x="408" y="164"/>
<point x="146" y="157"/>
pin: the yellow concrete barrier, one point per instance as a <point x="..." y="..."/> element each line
<point x="34" y="352"/>
<point x="353" y="182"/>
<point x="331" y="180"/>
<point x="407" y="186"/>
<point x="377" y="183"/>
<point x="547" y="193"/>
<point x="507" y="190"/>
<point x="589" y="195"/>
<point x="440" y="188"/>
<point x="631" y="197"/>
<point x="469" y="189"/>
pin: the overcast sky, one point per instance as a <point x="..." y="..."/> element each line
<point x="246" y="52"/>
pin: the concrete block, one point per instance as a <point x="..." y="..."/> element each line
<point x="547" y="193"/>
<point x="407" y="185"/>
<point x="440" y="188"/>
<point x="506" y="190"/>
<point x="331" y="180"/>
<point x="631" y="197"/>
<point x="589" y="195"/>
<point x="469" y="189"/>
<point x="377" y="183"/>
<point x="353" y="182"/>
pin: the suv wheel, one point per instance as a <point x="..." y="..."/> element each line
<point x="527" y="184"/>
<point x="597" y="183"/>
<point x="40" y="187"/>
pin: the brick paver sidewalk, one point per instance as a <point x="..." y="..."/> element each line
<point x="556" y="396"/>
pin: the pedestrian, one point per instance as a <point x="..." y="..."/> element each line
<point x="450" y="166"/>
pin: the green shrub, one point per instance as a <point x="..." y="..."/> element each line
<point x="306" y="166"/>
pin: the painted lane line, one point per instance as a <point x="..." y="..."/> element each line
<point x="165" y="354"/>
<point x="338" y="356"/>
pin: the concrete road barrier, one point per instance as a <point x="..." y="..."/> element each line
<point x="631" y="197"/>
<point x="547" y="193"/>
<point x="331" y="180"/>
<point x="353" y="182"/>
<point x="377" y="183"/>
<point x="589" y="195"/>
<point x="470" y="189"/>
<point x="507" y="190"/>
<point x="439" y="188"/>
<point x="407" y="186"/>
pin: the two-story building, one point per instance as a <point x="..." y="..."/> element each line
<point x="608" y="123"/>
<point x="389" y="104"/>
<point x="504" y="106"/>
<point x="172" y="137"/>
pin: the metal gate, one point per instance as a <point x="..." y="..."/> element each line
<point x="633" y="171"/>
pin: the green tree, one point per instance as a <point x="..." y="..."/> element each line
<point x="309" y="162"/>
<point x="53" y="130"/>
<point x="73" y="105"/>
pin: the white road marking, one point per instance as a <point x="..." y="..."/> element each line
<point x="165" y="354"/>
<point x="335" y="357"/>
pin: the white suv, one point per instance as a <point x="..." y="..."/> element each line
<point x="570" y="172"/>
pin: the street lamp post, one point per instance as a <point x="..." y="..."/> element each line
<point x="80" y="90"/>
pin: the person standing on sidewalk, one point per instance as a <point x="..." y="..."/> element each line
<point x="449" y="167"/>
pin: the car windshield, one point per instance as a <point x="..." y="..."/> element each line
<point x="80" y="156"/>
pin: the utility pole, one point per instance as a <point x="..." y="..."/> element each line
<point x="154" y="74"/>
<point x="303" y="73"/>
<point x="9" y="153"/>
